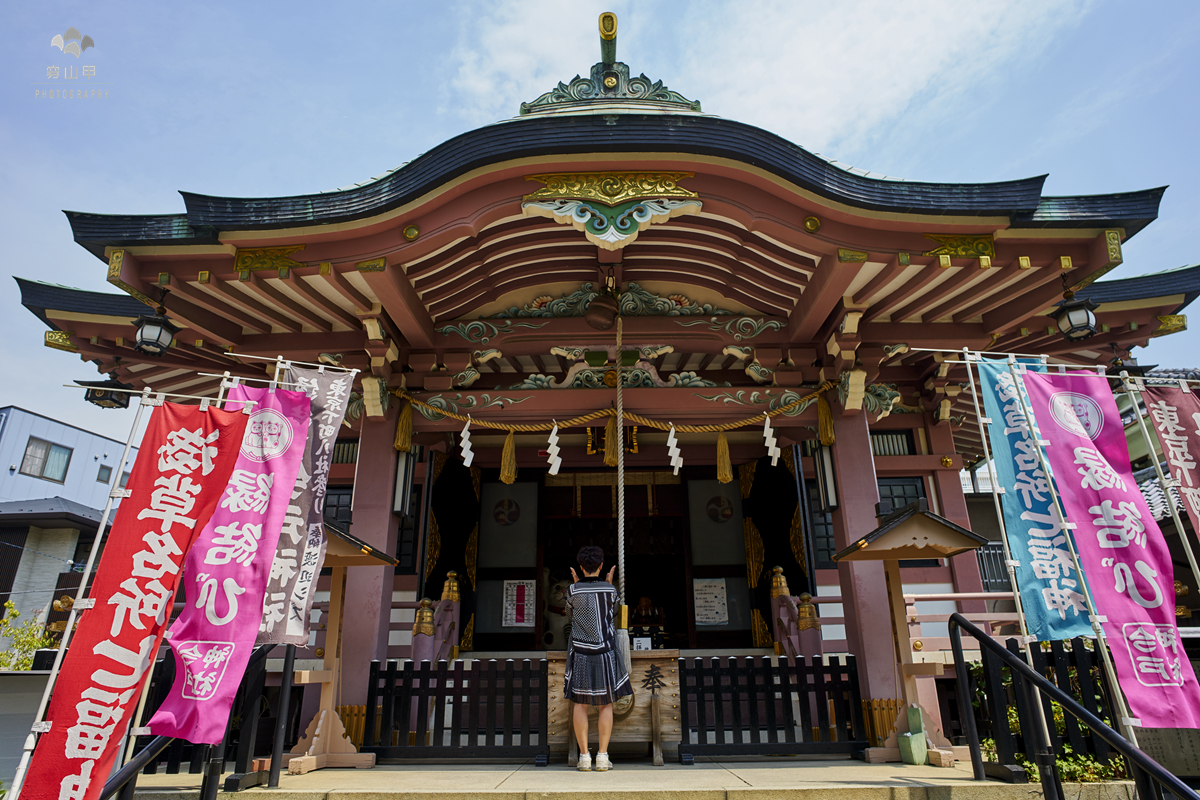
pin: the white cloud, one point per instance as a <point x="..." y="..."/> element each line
<point x="826" y="75"/>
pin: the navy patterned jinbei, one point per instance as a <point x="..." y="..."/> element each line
<point x="595" y="675"/>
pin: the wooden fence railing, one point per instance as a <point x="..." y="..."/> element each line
<point x="749" y="706"/>
<point x="489" y="709"/>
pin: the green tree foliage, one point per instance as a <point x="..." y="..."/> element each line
<point x="23" y="639"/>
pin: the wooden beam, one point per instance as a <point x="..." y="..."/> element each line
<point x="1013" y="313"/>
<point x="238" y="298"/>
<point x="320" y="301"/>
<point x="824" y="290"/>
<point x="1039" y="277"/>
<point x="206" y="323"/>
<point x="947" y="288"/>
<point x="982" y="289"/>
<point x="889" y="273"/>
<point x="927" y="275"/>
<point x="258" y="284"/>
<point x="207" y="301"/>
<point x="400" y="300"/>
<point x="339" y="282"/>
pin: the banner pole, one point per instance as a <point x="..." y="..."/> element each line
<point x="1009" y="562"/>
<point x="1127" y="385"/>
<point x="116" y="491"/>
<point x="1067" y="527"/>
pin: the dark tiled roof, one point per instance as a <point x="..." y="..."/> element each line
<point x="51" y="508"/>
<point x="38" y="296"/>
<point x="1169" y="374"/>
<point x="97" y="231"/>
<point x="1020" y="200"/>
<point x="1130" y="210"/>
<point x="1184" y="280"/>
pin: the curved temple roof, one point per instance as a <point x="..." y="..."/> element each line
<point x="675" y="134"/>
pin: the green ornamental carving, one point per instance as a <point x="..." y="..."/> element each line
<point x="609" y="83"/>
<point x="741" y="328"/>
<point x="465" y="402"/>
<point x="634" y="302"/>
<point x="610" y="228"/>
<point x="482" y="331"/>
<point x="744" y="397"/>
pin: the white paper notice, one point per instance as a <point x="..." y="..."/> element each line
<point x="518" y="604"/>
<point x="712" y="607"/>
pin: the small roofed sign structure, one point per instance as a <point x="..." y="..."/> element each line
<point x="324" y="743"/>
<point x="912" y="532"/>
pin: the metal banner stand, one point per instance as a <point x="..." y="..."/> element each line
<point x="1009" y="562"/>
<point x="147" y="397"/>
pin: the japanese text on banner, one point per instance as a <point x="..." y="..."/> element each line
<point x="185" y="460"/>
<point x="1051" y="594"/>
<point x="1120" y="546"/>
<point x="1176" y="417"/>
<point x="226" y="572"/>
<point x="287" y="603"/>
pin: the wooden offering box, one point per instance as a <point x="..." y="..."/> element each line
<point x="653" y="717"/>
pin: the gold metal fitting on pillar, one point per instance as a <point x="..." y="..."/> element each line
<point x="450" y="587"/>
<point x="779" y="587"/>
<point x="806" y="613"/>
<point x="424" y="623"/>
<point x="623" y="617"/>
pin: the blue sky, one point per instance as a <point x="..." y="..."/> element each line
<point x="257" y="99"/>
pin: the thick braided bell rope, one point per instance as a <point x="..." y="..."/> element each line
<point x="608" y="412"/>
<point x="620" y="471"/>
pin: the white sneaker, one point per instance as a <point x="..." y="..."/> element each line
<point x="585" y="761"/>
<point x="602" y="762"/>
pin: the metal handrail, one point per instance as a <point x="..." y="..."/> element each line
<point x="1143" y="765"/>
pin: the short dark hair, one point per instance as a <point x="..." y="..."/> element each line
<point x="590" y="557"/>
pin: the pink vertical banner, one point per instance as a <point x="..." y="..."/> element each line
<point x="1121" y="549"/>
<point x="226" y="572"/>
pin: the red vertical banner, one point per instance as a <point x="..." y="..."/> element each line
<point x="1176" y="417"/>
<point x="183" y="466"/>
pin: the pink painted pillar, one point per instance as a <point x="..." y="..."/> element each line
<point x="369" y="589"/>
<point x="864" y="586"/>
<point x="964" y="568"/>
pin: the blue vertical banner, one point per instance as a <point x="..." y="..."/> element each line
<point x="1052" y="593"/>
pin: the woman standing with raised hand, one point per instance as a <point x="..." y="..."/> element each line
<point x="595" y="675"/>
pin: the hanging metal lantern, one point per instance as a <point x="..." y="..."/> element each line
<point x="1076" y="319"/>
<point x="154" y="333"/>
<point x="101" y="393"/>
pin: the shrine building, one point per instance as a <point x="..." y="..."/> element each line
<point x="748" y="273"/>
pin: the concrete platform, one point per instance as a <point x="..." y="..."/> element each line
<point x="724" y="779"/>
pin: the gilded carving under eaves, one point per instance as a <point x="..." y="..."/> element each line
<point x="962" y="246"/>
<point x="1170" y="323"/>
<point x="259" y="258"/>
<point x="61" y="340"/>
<point x="610" y="188"/>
